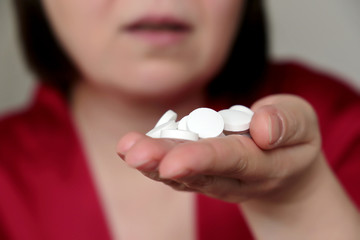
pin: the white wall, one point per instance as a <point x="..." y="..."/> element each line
<point x="324" y="33"/>
<point x="15" y="81"/>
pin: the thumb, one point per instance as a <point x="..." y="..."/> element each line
<point x="283" y="120"/>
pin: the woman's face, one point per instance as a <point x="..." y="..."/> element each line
<point x="146" y="47"/>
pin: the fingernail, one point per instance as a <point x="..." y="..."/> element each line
<point x="275" y="128"/>
<point x="122" y="156"/>
<point x="148" y="166"/>
<point x="123" y="148"/>
<point x="139" y="163"/>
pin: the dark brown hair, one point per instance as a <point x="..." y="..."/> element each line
<point x="241" y="73"/>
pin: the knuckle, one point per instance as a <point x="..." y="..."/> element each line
<point x="272" y="185"/>
<point x="178" y="186"/>
<point x="232" y="152"/>
<point x="208" y="149"/>
<point x="199" y="182"/>
<point x="241" y="163"/>
<point x="226" y="196"/>
<point x="266" y="188"/>
<point x="154" y="175"/>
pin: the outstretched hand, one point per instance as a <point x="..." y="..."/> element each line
<point x="285" y="144"/>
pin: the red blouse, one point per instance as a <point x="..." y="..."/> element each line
<point x="46" y="190"/>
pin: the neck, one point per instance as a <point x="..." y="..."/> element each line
<point x="104" y="116"/>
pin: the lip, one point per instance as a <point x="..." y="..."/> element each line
<point x="159" y="30"/>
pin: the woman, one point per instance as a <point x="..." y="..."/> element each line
<point x="110" y="67"/>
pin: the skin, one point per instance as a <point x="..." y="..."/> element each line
<point x="280" y="170"/>
<point x="92" y="33"/>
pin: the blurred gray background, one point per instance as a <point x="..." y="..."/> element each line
<point x="321" y="33"/>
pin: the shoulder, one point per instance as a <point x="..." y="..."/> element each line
<point x="336" y="103"/>
<point x="15" y="131"/>
<point x="41" y="161"/>
<point x="16" y="161"/>
<point x="331" y="97"/>
<point x="338" y="109"/>
<point x="315" y="85"/>
<point x="31" y="135"/>
<point x="21" y="148"/>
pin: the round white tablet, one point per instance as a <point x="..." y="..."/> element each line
<point x="179" y="134"/>
<point x="182" y="124"/>
<point x="235" y="121"/>
<point x="155" y="132"/>
<point x="170" y="115"/>
<point x="205" y="122"/>
<point x="242" y="109"/>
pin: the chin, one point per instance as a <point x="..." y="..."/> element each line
<point x="158" y="81"/>
<point x="165" y="92"/>
<point x="161" y="92"/>
<point x="163" y="83"/>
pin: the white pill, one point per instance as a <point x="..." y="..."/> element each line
<point x="205" y="122"/>
<point x="170" y="115"/>
<point x="242" y="109"/>
<point x="179" y="134"/>
<point x="155" y="132"/>
<point x="182" y="124"/>
<point x="235" y="121"/>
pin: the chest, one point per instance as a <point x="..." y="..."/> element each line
<point x="136" y="207"/>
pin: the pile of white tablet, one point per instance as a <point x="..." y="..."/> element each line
<point x="203" y="123"/>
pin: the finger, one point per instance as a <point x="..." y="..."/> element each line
<point x="154" y="175"/>
<point x="228" y="189"/>
<point x="231" y="190"/>
<point x="143" y="152"/>
<point x="283" y="120"/>
<point x="235" y="157"/>
<point x="126" y="142"/>
<point x="232" y="156"/>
